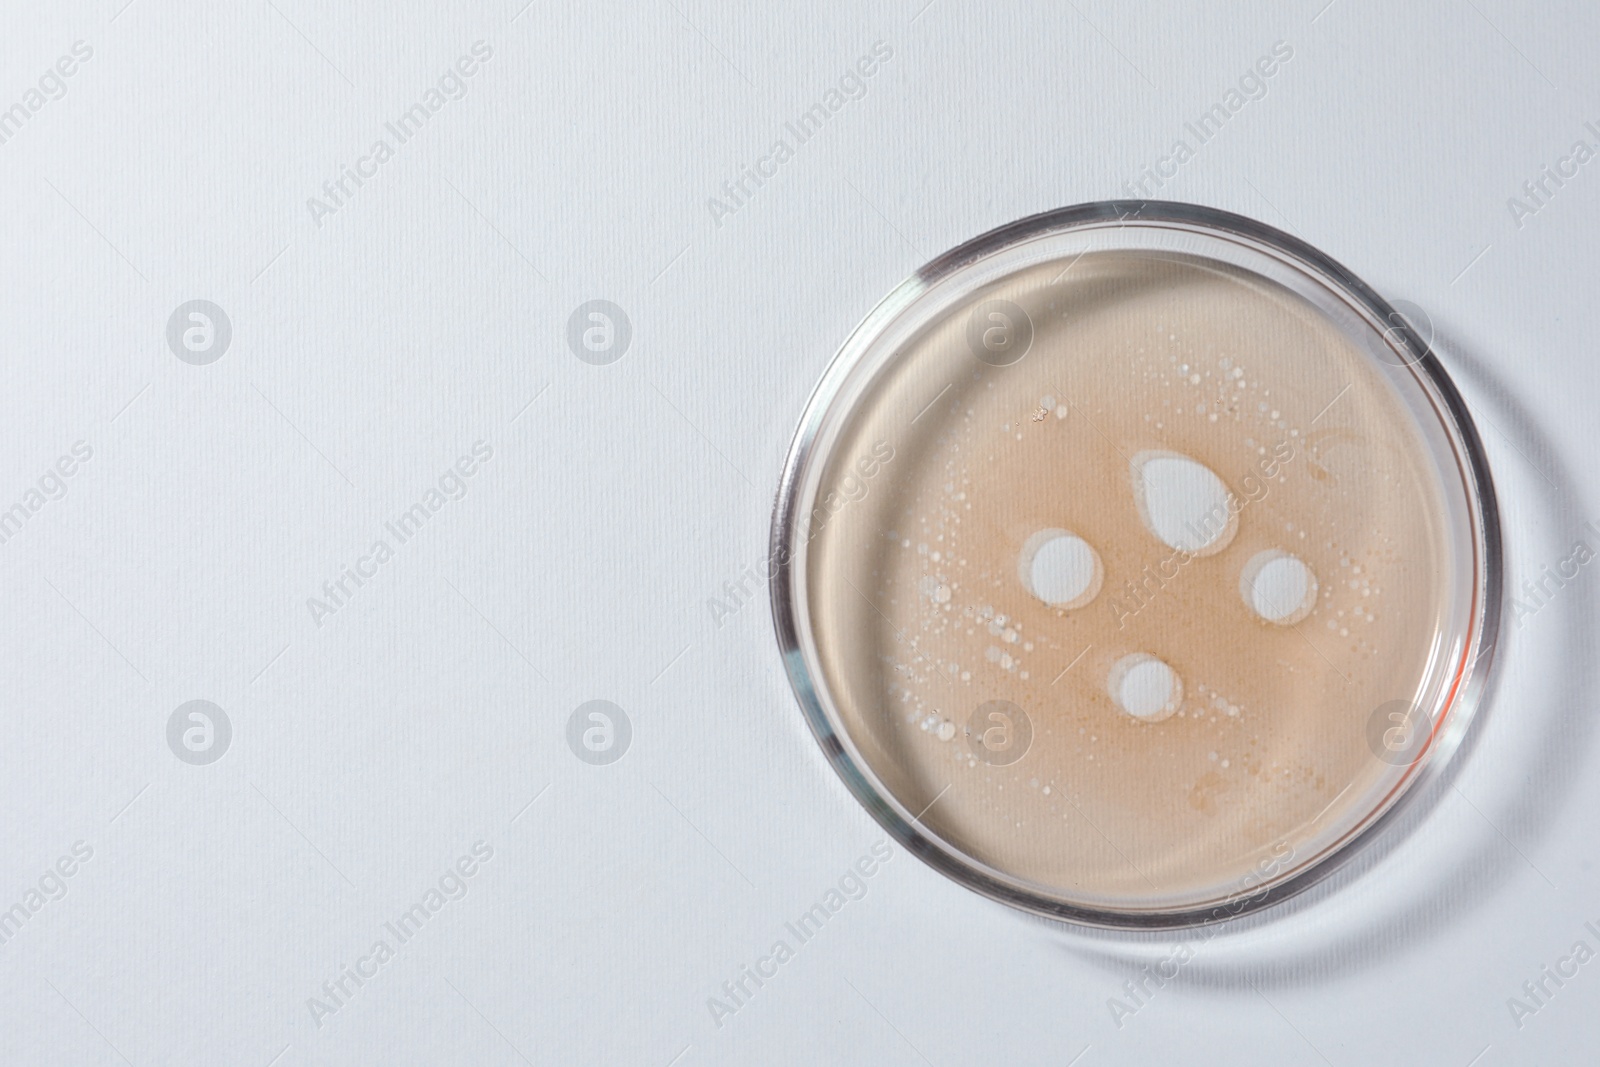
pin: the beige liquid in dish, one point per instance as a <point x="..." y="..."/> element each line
<point x="1192" y="534"/>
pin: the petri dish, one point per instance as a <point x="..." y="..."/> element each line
<point x="1134" y="563"/>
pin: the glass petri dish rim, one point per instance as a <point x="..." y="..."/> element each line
<point x="1464" y="692"/>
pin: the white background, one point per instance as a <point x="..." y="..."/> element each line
<point x="424" y="315"/>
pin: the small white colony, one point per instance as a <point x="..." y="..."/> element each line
<point x="1278" y="587"/>
<point x="1145" y="687"/>
<point x="1183" y="503"/>
<point x="1060" y="568"/>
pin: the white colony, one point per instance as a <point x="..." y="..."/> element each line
<point x="1145" y="687"/>
<point x="1278" y="587"/>
<point x="1183" y="503"/>
<point x="1060" y="568"/>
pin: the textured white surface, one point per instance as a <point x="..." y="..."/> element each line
<point x="430" y="312"/>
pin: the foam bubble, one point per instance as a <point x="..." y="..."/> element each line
<point x="1060" y="568"/>
<point x="1183" y="503"/>
<point x="1278" y="587"/>
<point x="1145" y="687"/>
